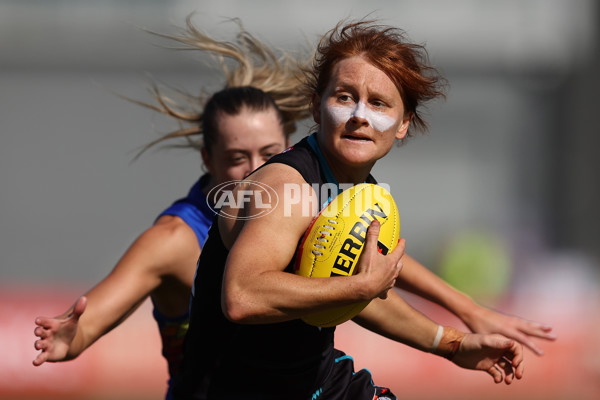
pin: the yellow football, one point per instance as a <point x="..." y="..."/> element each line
<point x="332" y="244"/>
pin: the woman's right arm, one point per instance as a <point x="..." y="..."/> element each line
<point x="255" y="287"/>
<point x="141" y="270"/>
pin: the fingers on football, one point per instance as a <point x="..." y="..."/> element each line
<point x="398" y="252"/>
<point x="372" y="236"/>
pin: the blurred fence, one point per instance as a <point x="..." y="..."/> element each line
<point x="126" y="364"/>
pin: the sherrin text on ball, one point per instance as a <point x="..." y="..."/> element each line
<point x="332" y="244"/>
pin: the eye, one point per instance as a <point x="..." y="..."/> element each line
<point x="237" y="158"/>
<point x="378" y="104"/>
<point x="344" y="98"/>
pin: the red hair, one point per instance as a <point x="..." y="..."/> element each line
<point x="405" y="63"/>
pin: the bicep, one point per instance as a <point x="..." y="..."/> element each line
<point x="263" y="245"/>
<point x="268" y="243"/>
<point x="255" y="287"/>
<point x="253" y="282"/>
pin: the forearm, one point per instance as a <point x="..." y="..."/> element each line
<point x="417" y="279"/>
<point x="107" y="306"/>
<point x="397" y="320"/>
<point x="276" y="296"/>
<point x="92" y="325"/>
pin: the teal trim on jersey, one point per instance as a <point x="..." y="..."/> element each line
<point x="370" y="374"/>
<point x="316" y="394"/>
<point x="346" y="357"/>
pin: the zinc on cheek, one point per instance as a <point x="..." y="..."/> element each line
<point x="342" y="114"/>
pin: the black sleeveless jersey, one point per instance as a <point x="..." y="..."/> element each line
<point x="224" y="360"/>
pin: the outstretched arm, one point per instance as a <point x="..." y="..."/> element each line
<point x="495" y="354"/>
<point x="158" y="252"/>
<point x="417" y="279"/>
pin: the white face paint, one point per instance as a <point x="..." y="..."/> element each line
<point x="341" y="114"/>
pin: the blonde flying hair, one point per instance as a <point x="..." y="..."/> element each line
<point x="256" y="65"/>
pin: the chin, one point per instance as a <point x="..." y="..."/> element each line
<point x="358" y="158"/>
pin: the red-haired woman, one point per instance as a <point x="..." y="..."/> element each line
<point x="246" y="339"/>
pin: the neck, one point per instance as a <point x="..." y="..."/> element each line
<point x="345" y="174"/>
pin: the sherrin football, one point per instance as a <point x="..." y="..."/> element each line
<point x="332" y="244"/>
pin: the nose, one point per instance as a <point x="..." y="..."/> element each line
<point x="359" y="116"/>
<point x="359" y="121"/>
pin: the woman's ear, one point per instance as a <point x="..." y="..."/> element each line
<point x="206" y="160"/>
<point x="403" y="128"/>
<point x="316" y="107"/>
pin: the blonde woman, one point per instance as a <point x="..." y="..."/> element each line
<point x="241" y="127"/>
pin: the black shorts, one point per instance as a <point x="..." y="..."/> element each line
<point x="341" y="383"/>
<point x="345" y="384"/>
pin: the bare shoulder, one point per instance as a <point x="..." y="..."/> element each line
<point x="170" y="242"/>
<point x="279" y="199"/>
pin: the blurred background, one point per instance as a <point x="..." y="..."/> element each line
<point x="500" y="197"/>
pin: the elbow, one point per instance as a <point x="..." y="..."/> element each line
<point x="236" y="309"/>
<point x="233" y="311"/>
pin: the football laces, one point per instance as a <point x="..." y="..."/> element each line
<point x="323" y="238"/>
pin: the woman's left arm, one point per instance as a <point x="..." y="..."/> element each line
<point x="417" y="279"/>
<point x="495" y="354"/>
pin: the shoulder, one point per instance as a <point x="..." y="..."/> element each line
<point x="170" y="241"/>
<point x="289" y="185"/>
<point x="247" y="200"/>
<point x="301" y="158"/>
<point x="292" y="206"/>
<point x="171" y="231"/>
<point x="168" y="248"/>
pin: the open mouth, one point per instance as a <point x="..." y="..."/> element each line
<point x="356" y="137"/>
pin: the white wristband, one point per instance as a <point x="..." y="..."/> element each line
<point x="438" y="338"/>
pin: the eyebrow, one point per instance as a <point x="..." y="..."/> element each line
<point x="343" y="86"/>
<point x="349" y="86"/>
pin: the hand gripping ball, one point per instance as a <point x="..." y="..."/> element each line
<point x="332" y="244"/>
